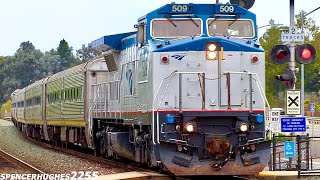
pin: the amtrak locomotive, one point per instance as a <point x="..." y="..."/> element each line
<point x="185" y="92"/>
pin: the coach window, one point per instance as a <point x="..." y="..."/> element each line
<point x="175" y="28"/>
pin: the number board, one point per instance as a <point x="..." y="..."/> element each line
<point x="228" y="9"/>
<point x="177" y="9"/>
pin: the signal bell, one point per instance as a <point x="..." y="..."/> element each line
<point x="280" y="54"/>
<point x="305" y="53"/>
<point x="288" y="77"/>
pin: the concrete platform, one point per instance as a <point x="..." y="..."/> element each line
<point x="134" y="175"/>
<point x="279" y="173"/>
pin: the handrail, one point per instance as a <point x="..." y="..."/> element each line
<point x="264" y="97"/>
<point x="94" y="103"/>
<point x="260" y="88"/>
<point x="155" y="97"/>
<point x="153" y="108"/>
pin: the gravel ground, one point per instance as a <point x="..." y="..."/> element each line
<point x="46" y="160"/>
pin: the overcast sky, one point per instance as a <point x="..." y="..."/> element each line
<point x="46" y="22"/>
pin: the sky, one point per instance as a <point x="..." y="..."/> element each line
<point x="46" y="22"/>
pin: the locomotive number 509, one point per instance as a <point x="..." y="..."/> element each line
<point x="179" y="8"/>
<point x="226" y="9"/>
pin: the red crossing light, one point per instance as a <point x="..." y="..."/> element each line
<point x="305" y="53"/>
<point x="280" y="54"/>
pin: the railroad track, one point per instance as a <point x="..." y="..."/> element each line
<point x="11" y="163"/>
<point x="90" y="157"/>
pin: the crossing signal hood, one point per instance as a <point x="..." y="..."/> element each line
<point x="288" y="78"/>
<point x="305" y="53"/>
<point x="280" y="54"/>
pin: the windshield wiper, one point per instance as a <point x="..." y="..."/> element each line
<point x="212" y="22"/>
<point x="194" y="22"/>
<point x="171" y="21"/>
<point x="237" y="17"/>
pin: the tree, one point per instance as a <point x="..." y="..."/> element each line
<point x="27" y="65"/>
<point x="50" y="63"/>
<point x="5" y="108"/>
<point x="67" y="59"/>
<point x="310" y="29"/>
<point x="86" y="53"/>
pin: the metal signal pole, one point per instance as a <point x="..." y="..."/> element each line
<point x="292" y="62"/>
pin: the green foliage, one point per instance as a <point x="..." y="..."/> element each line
<point x="29" y="64"/>
<point x="66" y="57"/>
<point x="280" y="138"/>
<point x="86" y="53"/>
<point x="5" y="108"/>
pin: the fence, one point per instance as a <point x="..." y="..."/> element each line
<point x="306" y="154"/>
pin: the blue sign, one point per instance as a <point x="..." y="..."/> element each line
<point x="176" y="9"/>
<point x="312" y="107"/>
<point x="289" y="149"/>
<point x="229" y="9"/>
<point x="293" y="124"/>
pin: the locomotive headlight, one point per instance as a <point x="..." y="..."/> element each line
<point x="212" y="47"/>
<point x="190" y="127"/>
<point x="212" y="55"/>
<point x="212" y="50"/>
<point x="243" y="127"/>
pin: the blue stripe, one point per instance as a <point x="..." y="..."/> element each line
<point x="199" y="44"/>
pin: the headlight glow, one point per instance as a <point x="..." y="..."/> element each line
<point x="243" y="127"/>
<point x="189" y="127"/>
<point x="212" y="55"/>
<point x="212" y="47"/>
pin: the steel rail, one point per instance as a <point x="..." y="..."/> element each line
<point x="90" y="157"/>
<point x="20" y="163"/>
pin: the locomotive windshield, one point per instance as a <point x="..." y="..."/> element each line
<point x="231" y="27"/>
<point x="172" y="28"/>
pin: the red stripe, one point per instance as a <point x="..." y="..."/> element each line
<point x="172" y="110"/>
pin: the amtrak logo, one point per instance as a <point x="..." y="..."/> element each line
<point x="178" y="57"/>
<point x="129" y="78"/>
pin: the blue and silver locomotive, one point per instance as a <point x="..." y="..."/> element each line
<point x="185" y="93"/>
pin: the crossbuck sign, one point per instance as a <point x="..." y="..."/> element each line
<point x="293" y="102"/>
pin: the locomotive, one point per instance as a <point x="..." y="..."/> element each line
<point x="185" y="93"/>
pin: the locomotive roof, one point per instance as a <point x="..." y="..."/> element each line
<point x="199" y="10"/>
<point x="111" y="41"/>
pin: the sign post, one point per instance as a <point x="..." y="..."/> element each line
<point x="312" y="109"/>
